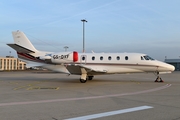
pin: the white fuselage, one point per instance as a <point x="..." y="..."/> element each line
<point x="111" y="63"/>
<point x="87" y="64"/>
<point x="123" y="63"/>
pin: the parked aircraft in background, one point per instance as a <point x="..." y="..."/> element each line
<point x="88" y="64"/>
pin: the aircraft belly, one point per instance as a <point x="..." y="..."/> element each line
<point x="97" y="70"/>
<point x="112" y="70"/>
<point x="130" y="69"/>
<point x="162" y="69"/>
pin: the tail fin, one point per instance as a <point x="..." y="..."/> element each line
<point x="24" y="47"/>
<point x="21" y="40"/>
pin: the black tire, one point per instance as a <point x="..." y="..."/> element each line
<point x="82" y="80"/>
<point x="90" y="77"/>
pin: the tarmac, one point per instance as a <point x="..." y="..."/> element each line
<point x="53" y="96"/>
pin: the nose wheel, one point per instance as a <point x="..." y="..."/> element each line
<point x="158" y="79"/>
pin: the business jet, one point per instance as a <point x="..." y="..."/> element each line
<point x="87" y="65"/>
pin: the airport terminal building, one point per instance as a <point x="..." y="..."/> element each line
<point x="11" y="63"/>
<point x="174" y="62"/>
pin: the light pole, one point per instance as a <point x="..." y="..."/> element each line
<point x="83" y="20"/>
<point x="9" y="53"/>
<point x="66" y="47"/>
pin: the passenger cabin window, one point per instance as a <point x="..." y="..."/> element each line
<point x="93" y="58"/>
<point x="109" y="58"/>
<point x="126" y="57"/>
<point x="83" y="58"/>
<point x="118" y="58"/>
<point x="101" y="58"/>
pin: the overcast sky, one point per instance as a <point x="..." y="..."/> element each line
<point x="145" y="26"/>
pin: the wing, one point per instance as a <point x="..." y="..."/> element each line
<point x="79" y="68"/>
<point x="90" y="69"/>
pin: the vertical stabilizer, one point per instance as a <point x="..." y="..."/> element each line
<point x="21" y="40"/>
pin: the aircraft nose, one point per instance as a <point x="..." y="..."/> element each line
<point x="165" y="67"/>
<point x="171" y="67"/>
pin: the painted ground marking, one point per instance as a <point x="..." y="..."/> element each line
<point x="84" y="98"/>
<point x="105" y="114"/>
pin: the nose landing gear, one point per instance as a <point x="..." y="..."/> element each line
<point x="158" y="79"/>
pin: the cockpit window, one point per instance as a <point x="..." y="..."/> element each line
<point x="148" y="58"/>
<point x="142" y="58"/>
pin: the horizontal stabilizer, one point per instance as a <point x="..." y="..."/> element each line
<point x="20" y="49"/>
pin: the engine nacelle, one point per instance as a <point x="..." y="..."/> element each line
<point x="64" y="57"/>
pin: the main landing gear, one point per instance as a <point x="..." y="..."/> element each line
<point x="158" y="79"/>
<point x="83" y="80"/>
<point x="84" y="76"/>
<point x="90" y="77"/>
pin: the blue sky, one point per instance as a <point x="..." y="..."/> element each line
<point x="145" y="26"/>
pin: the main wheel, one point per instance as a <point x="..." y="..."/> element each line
<point x="90" y="77"/>
<point x="82" y="80"/>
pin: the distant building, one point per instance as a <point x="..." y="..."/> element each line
<point x="11" y="63"/>
<point x="174" y="62"/>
